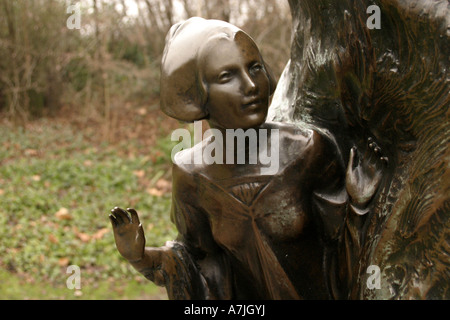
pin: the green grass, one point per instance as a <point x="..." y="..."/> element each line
<point x="15" y="287"/>
<point x="54" y="168"/>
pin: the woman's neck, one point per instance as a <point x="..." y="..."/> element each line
<point x="240" y="144"/>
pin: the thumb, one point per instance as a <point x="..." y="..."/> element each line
<point x="352" y="161"/>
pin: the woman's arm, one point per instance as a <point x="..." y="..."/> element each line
<point x="130" y="242"/>
<point x="193" y="266"/>
<point x="183" y="267"/>
<point x="209" y="267"/>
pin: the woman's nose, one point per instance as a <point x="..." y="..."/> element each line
<point x="249" y="85"/>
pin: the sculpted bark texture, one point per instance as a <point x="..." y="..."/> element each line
<point x="391" y="84"/>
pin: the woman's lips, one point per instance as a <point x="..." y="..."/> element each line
<point x="251" y="104"/>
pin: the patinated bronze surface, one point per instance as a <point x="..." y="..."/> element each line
<point x="352" y="184"/>
<point x="391" y="84"/>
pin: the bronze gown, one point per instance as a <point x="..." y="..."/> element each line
<point x="243" y="235"/>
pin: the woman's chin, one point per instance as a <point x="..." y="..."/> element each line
<point x="247" y="121"/>
<point x="254" y="120"/>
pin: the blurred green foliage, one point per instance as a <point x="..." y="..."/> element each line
<point x="56" y="192"/>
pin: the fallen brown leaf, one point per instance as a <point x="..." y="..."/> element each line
<point x="63" y="262"/>
<point x="83" y="236"/>
<point x="142" y="111"/>
<point x="63" y="214"/>
<point x="155" y="192"/>
<point x="100" y="233"/>
<point x="53" y="239"/>
<point x="31" y="152"/>
<point x="139" y="173"/>
<point x="163" y="185"/>
<point x="88" y="163"/>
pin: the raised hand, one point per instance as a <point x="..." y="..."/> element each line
<point x="364" y="173"/>
<point x="128" y="233"/>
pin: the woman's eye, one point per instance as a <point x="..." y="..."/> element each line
<point x="224" y="76"/>
<point x="256" y="67"/>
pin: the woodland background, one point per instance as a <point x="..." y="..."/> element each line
<point x="81" y="132"/>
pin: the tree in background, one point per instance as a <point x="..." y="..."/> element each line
<point x="114" y="58"/>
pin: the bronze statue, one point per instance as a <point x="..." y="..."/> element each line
<point x="290" y="234"/>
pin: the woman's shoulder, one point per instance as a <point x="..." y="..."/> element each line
<point x="190" y="160"/>
<point x="290" y="132"/>
<point x="307" y="148"/>
<point x="183" y="162"/>
<point x="189" y="167"/>
<point x="292" y="137"/>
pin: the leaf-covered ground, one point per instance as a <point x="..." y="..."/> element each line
<point x="59" y="179"/>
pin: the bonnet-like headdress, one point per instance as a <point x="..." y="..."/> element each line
<point x="183" y="95"/>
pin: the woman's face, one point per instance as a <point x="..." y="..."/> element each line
<point x="237" y="83"/>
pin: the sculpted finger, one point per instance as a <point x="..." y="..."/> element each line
<point x="113" y="220"/>
<point x="374" y="152"/>
<point x="354" y="158"/>
<point x="352" y="165"/>
<point x="377" y="151"/>
<point x="117" y="216"/>
<point x="370" y="145"/>
<point x="382" y="161"/>
<point x="121" y="215"/>
<point x="134" y="216"/>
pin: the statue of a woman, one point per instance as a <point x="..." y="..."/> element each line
<point x="244" y="234"/>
